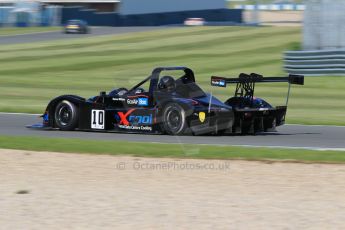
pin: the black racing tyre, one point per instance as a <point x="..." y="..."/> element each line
<point x="66" y="115"/>
<point x="174" y="119"/>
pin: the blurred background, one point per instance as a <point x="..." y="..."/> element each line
<point x="53" y="47"/>
<point x="128" y="38"/>
<point x="130" y="12"/>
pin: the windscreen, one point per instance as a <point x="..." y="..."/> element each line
<point x="185" y="85"/>
<point x="189" y="90"/>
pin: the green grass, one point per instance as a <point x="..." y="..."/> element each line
<point x="25" y="30"/>
<point x="32" y="74"/>
<point x="168" y="150"/>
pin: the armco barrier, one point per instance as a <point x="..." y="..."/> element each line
<point x="156" y="19"/>
<point x="315" y="63"/>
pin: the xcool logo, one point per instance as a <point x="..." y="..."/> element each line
<point x="140" y="120"/>
<point x="127" y="119"/>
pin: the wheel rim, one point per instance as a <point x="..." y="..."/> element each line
<point x="174" y="119"/>
<point x="64" y="115"/>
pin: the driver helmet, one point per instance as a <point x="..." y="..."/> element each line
<point x="166" y="83"/>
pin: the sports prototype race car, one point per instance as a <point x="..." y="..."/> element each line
<point x="76" y="27"/>
<point x="169" y="105"/>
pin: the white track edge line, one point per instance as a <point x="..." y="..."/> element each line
<point x="23" y="34"/>
<point x="259" y="146"/>
<point x="339" y="126"/>
<point x="29" y="114"/>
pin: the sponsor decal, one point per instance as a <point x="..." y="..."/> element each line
<point x="131" y="127"/>
<point x="202" y="117"/>
<point x="118" y="99"/>
<point x="140" y="120"/>
<point x="219" y="82"/>
<point x="134" y="122"/>
<point x="123" y="117"/>
<point x="141" y="101"/>
<point x="132" y="101"/>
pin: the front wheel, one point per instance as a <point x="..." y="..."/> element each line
<point x="66" y="116"/>
<point x="174" y="119"/>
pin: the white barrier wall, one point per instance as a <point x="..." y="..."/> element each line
<point x="324" y="22"/>
<point x="159" y="6"/>
<point x="298" y="7"/>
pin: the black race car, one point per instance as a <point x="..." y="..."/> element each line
<point x="174" y="106"/>
<point x="76" y="27"/>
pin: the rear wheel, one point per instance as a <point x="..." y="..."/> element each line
<point x="66" y="115"/>
<point x="174" y="119"/>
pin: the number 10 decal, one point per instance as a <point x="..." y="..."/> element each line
<point x="97" y="119"/>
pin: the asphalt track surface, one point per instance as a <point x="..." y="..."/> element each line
<point x="288" y="136"/>
<point x="58" y="35"/>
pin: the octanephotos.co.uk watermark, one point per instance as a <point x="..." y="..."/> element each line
<point x="174" y="166"/>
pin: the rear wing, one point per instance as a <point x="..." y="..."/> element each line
<point x="256" y="78"/>
<point x="245" y="83"/>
